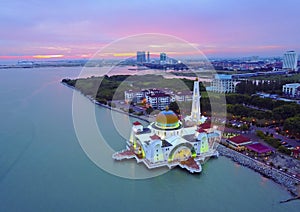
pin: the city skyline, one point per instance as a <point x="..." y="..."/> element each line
<point x="58" y="29"/>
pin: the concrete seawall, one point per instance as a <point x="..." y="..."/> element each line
<point x="289" y="182"/>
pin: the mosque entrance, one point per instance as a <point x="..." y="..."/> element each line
<point x="182" y="154"/>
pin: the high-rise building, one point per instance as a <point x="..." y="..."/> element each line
<point x="140" y="57"/>
<point x="148" y="57"/>
<point x="223" y="84"/>
<point x="163" y="57"/>
<point x="290" y="59"/>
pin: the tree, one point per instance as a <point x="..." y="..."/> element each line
<point x="292" y="125"/>
<point x="102" y="101"/>
<point x="284" y="150"/>
<point x="244" y="127"/>
<point x="260" y="134"/>
<point x="130" y="110"/>
<point x="149" y="110"/>
<point x="285" y="111"/>
<point x="246" y="87"/>
<point x="174" y="107"/>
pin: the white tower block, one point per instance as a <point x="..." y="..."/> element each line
<point x="196" y="110"/>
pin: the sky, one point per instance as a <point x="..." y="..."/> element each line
<point x="79" y="28"/>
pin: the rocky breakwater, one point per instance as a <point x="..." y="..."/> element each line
<point x="289" y="182"/>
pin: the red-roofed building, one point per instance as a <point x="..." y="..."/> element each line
<point x="137" y="127"/>
<point x="259" y="149"/>
<point x="204" y="126"/>
<point x="295" y="153"/>
<point x="155" y="137"/>
<point x="201" y="131"/>
<point x="238" y="142"/>
<point x="136" y="123"/>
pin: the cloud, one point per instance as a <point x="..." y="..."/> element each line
<point x="75" y="28"/>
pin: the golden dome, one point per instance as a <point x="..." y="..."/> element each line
<point x="167" y="119"/>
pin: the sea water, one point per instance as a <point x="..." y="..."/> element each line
<point x="43" y="167"/>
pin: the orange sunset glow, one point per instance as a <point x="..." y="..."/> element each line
<point x="48" y="56"/>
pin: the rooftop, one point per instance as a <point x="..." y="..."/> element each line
<point x="240" y="139"/>
<point x="213" y="134"/>
<point x="165" y="143"/>
<point x="136" y="123"/>
<point x="223" y="76"/>
<point x="175" y="140"/>
<point x="155" y="137"/>
<point x="205" y="125"/>
<point x="145" y="130"/>
<point x="200" y="130"/>
<point x="259" y="148"/>
<point x="158" y="95"/>
<point x="190" y="138"/>
<point x="167" y="117"/>
<point x="293" y="84"/>
<point x="184" y="93"/>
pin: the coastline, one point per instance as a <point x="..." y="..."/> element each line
<point x="106" y="106"/>
<point x="117" y="110"/>
<point x="288" y="182"/>
<point x="277" y="176"/>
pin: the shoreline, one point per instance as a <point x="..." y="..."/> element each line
<point x="106" y="106"/>
<point x="117" y="110"/>
<point x="288" y="182"/>
<point x="273" y="174"/>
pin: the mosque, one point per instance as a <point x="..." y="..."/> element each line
<point x="167" y="142"/>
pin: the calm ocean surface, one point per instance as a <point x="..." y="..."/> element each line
<point x="43" y="168"/>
